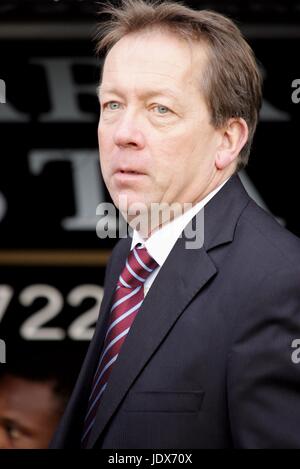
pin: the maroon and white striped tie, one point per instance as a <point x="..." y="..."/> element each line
<point x="128" y="297"/>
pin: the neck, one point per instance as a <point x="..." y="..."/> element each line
<point x="160" y="214"/>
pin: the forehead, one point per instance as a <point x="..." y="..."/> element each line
<point x="21" y="395"/>
<point x="153" y="58"/>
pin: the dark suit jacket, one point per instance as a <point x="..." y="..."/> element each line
<point x="207" y="362"/>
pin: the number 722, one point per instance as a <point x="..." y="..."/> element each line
<point x="33" y="328"/>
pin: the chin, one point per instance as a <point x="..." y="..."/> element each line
<point x="124" y="200"/>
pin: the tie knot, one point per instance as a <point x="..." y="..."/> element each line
<point x="139" y="265"/>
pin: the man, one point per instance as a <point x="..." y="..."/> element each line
<point x="32" y="400"/>
<point x="193" y="347"/>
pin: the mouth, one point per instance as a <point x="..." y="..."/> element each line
<point x="128" y="172"/>
<point x="122" y="171"/>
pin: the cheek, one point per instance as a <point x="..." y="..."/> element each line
<point x="102" y="139"/>
<point x="105" y="148"/>
<point x="168" y="155"/>
<point x="201" y="143"/>
<point x="105" y="137"/>
<point x="183" y="139"/>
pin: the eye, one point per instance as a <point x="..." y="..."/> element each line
<point x="12" y="430"/>
<point x="111" y="105"/>
<point x="162" y="109"/>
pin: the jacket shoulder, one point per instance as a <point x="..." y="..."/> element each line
<point x="271" y="241"/>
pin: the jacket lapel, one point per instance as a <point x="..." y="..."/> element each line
<point x="184" y="273"/>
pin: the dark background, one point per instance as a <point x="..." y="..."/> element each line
<point x="52" y="262"/>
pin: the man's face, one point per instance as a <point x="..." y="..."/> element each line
<point x="155" y="138"/>
<point x="28" y="413"/>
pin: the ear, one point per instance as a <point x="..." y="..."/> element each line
<point x="234" y="136"/>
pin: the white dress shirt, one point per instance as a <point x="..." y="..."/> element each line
<point x="161" y="242"/>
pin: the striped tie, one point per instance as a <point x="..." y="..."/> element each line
<point x="128" y="297"/>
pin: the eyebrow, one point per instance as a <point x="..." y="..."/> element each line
<point x="144" y="94"/>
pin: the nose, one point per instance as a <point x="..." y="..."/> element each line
<point x="128" y="132"/>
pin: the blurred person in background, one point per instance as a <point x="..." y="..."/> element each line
<point x="33" y="396"/>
